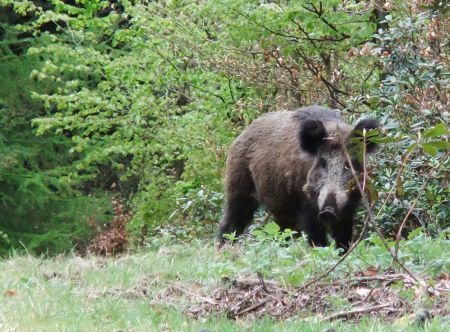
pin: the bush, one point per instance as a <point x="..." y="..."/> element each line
<point x="413" y="101"/>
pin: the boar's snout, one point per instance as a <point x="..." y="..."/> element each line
<point x="328" y="211"/>
<point x="328" y="215"/>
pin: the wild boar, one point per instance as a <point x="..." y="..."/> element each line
<point x="295" y="165"/>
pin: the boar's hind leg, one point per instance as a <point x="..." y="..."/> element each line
<point x="238" y="214"/>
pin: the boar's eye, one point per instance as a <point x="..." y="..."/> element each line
<point x="322" y="163"/>
<point x="346" y="167"/>
<point x="356" y="166"/>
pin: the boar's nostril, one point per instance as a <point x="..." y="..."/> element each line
<point x="327" y="215"/>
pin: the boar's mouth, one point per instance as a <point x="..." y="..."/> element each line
<point x="328" y="215"/>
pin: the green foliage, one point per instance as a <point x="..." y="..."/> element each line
<point x="143" y="99"/>
<point x="197" y="212"/>
<point x="271" y="232"/>
<point x="413" y="104"/>
<point x="42" y="209"/>
<point x="272" y="255"/>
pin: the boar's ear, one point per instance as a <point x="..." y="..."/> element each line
<point x="311" y="135"/>
<point x="366" y="124"/>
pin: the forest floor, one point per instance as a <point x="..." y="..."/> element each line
<point x="257" y="286"/>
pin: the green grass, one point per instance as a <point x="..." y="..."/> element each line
<point x="69" y="293"/>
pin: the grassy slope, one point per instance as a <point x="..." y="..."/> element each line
<point x="85" y="294"/>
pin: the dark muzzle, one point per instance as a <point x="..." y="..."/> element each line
<point x="328" y="215"/>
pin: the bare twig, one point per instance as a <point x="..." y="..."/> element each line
<point x="379" y="277"/>
<point x="344" y="314"/>
<point x="402" y="224"/>
<point x="331" y="269"/>
<point x="254" y="282"/>
<point x="402" y="168"/>
<point x="248" y="295"/>
<point x="277" y="33"/>
<point x="369" y="295"/>
<point x="364" y="164"/>
<point x="205" y="299"/>
<point x="251" y="308"/>
<point x="319" y="12"/>
<point x="261" y="280"/>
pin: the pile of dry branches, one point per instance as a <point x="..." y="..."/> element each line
<point x="361" y="295"/>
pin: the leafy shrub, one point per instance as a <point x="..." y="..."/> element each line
<point x="268" y="255"/>
<point x="198" y="211"/>
<point x="413" y="100"/>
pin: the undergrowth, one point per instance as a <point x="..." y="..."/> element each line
<point x="125" y="293"/>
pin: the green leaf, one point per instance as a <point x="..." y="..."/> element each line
<point x="436" y="131"/>
<point x="430" y="149"/>
<point x="272" y="228"/>
<point x="414" y="233"/>
<point x="411" y="147"/>
<point x="441" y="145"/>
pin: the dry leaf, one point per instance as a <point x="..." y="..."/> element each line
<point x="371" y="271"/>
<point x="362" y="292"/>
<point x="10" y="293"/>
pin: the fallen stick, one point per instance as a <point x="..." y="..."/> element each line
<point x="206" y="299"/>
<point x="256" y="282"/>
<point x="382" y="277"/>
<point x="344" y="314"/>
<point x="378" y="277"/>
<point x="251" y="308"/>
<point x="237" y="304"/>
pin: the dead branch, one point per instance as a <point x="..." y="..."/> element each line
<point x="248" y="295"/>
<point x="257" y="282"/>
<point x="251" y="308"/>
<point x="358" y="280"/>
<point x="345" y="314"/>
<point x="205" y="299"/>
<point x="386" y="277"/>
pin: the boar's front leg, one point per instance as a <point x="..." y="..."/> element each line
<point x="342" y="234"/>
<point x="309" y="224"/>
